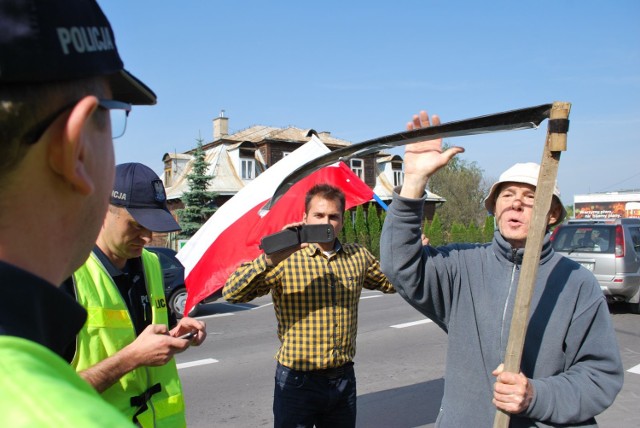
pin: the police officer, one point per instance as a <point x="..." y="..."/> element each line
<point x="125" y="350"/>
<point x="64" y="94"/>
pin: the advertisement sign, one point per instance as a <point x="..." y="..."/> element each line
<point x="604" y="210"/>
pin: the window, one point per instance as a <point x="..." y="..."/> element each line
<point x="168" y="176"/>
<point x="398" y="177"/>
<point x="635" y="238"/>
<point x="357" y="166"/>
<point x="248" y="169"/>
<point x="285" y="154"/>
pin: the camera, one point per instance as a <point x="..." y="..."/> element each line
<point x="294" y="236"/>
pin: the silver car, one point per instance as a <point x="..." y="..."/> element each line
<point x="610" y="249"/>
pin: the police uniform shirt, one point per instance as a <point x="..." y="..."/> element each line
<point x="36" y="310"/>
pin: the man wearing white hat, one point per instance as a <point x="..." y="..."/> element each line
<point x="571" y="368"/>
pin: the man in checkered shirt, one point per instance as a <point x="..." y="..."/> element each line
<point x="315" y="290"/>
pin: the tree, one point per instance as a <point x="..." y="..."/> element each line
<point x="461" y="183"/>
<point x="362" y="234"/>
<point x="488" y="229"/>
<point x="373" y="222"/>
<point x="474" y="233"/>
<point x="458" y="232"/>
<point x="569" y="210"/>
<point x="347" y="228"/>
<point x="436" y="234"/>
<point x="198" y="202"/>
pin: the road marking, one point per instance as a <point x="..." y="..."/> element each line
<point x="262" y="306"/>
<point x="411" y="324"/>
<point x="370" y="297"/>
<point x="227" y="314"/>
<point x="196" y="363"/>
<point x="635" y="369"/>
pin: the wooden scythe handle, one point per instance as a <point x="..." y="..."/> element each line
<point x="555" y="144"/>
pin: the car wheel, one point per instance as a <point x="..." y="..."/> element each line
<point x="178" y="301"/>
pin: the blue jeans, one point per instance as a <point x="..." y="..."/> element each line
<point x="305" y="399"/>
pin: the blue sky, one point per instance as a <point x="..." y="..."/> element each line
<point x="361" y="70"/>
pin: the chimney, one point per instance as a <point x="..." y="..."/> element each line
<point x="220" y="126"/>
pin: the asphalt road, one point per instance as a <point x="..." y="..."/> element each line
<point x="228" y="381"/>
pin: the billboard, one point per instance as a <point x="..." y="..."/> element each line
<point x="606" y="209"/>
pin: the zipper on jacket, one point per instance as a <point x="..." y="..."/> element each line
<point x="516" y="266"/>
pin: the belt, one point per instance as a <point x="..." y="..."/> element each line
<point x="333" y="372"/>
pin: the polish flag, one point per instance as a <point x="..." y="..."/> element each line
<point x="232" y="235"/>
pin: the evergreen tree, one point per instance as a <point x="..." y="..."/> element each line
<point x="436" y="234"/>
<point x="458" y="232"/>
<point x="347" y="228"/>
<point x="198" y="201"/>
<point x="373" y="222"/>
<point x="474" y="234"/>
<point x="425" y="228"/>
<point x="362" y="234"/>
<point x="488" y="229"/>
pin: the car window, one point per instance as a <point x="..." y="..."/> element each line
<point x="167" y="262"/>
<point x="585" y="239"/>
<point x="635" y="238"/>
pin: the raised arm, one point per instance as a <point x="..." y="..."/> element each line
<point x="423" y="159"/>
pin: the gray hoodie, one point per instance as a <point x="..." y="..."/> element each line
<point x="570" y="349"/>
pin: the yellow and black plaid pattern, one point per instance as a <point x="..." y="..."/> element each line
<point x="316" y="301"/>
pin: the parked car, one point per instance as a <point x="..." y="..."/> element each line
<point x="174" y="288"/>
<point x="610" y="249"/>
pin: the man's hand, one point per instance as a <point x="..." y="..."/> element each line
<point x="190" y="325"/>
<point x="424" y="158"/>
<point x="154" y="347"/>
<point x="512" y="392"/>
<point x="274" y="259"/>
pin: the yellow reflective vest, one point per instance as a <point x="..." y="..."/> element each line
<point x="40" y="389"/>
<point x="151" y="395"/>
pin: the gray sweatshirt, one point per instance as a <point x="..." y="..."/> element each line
<point x="570" y="349"/>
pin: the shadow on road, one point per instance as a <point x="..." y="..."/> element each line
<point x="406" y="407"/>
<point x="222" y="307"/>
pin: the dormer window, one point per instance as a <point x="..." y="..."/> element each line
<point x="357" y="166"/>
<point x="248" y="169"/>
<point x="398" y="177"/>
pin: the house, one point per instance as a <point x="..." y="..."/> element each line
<point x="236" y="159"/>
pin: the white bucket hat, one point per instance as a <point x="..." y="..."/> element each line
<point x="526" y="173"/>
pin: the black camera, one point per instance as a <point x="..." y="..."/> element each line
<point x="295" y="236"/>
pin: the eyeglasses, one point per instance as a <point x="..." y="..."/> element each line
<point x="118" y="112"/>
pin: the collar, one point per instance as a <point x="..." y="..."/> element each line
<point x="503" y="249"/>
<point x="36" y="310"/>
<point x="131" y="265"/>
<point x="314" y="249"/>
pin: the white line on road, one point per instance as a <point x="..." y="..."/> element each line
<point x="635" y="369"/>
<point x="262" y="306"/>
<point x="370" y="297"/>
<point x="196" y="363"/>
<point x="227" y="314"/>
<point x="411" y="324"/>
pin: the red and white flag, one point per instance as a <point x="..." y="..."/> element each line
<point x="232" y="235"/>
